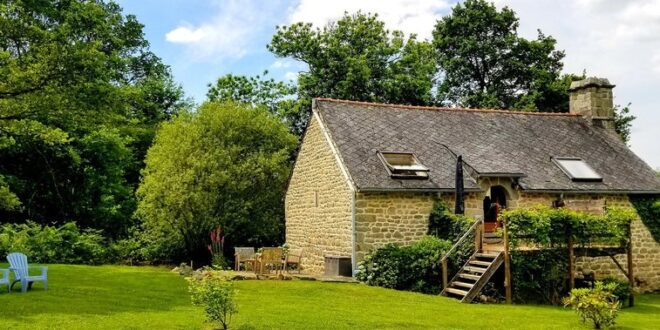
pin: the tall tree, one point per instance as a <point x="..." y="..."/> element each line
<point x="356" y="58"/>
<point x="278" y="97"/>
<point x="623" y="122"/>
<point x="225" y="164"/>
<point x="80" y="97"/>
<point x="486" y="64"/>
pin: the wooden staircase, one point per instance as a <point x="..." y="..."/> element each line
<point x="474" y="275"/>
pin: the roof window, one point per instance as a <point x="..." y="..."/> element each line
<point x="403" y="165"/>
<point x="577" y="169"/>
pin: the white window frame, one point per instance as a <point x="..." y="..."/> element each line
<point x="557" y="161"/>
<point x="403" y="171"/>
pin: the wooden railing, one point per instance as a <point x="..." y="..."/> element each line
<point x="478" y="229"/>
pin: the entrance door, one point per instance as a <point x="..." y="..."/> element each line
<point x="493" y="205"/>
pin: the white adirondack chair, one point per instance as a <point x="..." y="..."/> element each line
<point x="19" y="265"/>
<point x="4" y="280"/>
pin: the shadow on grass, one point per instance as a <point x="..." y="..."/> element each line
<point x="646" y="304"/>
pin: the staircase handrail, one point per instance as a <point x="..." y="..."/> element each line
<point x="460" y="240"/>
<point x="478" y="244"/>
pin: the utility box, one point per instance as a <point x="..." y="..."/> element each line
<point x="338" y="266"/>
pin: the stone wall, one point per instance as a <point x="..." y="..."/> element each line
<point x="646" y="261"/>
<point x="646" y="251"/>
<point x="592" y="98"/>
<point x="390" y="217"/>
<point x="318" y="206"/>
<point x="473" y="203"/>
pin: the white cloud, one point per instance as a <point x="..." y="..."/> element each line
<point x="228" y="34"/>
<point x="410" y="16"/>
<point x="614" y="39"/>
<point x="185" y="35"/>
<point x="290" y="75"/>
<point x="655" y="62"/>
<point x="282" y="64"/>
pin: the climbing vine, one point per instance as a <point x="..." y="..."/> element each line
<point x="648" y="209"/>
<point x="539" y="275"/>
<point x="552" y="227"/>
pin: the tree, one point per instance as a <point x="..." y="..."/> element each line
<point x="80" y="97"/>
<point x="225" y="164"/>
<point x="356" y="58"/>
<point x="623" y="122"/>
<point x="278" y="97"/>
<point x="486" y="64"/>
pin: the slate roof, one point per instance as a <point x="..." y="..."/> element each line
<point x="492" y="142"/>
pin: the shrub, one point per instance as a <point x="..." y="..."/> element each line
<point x="622" y="292"/>
<point x="47" y="244"/>
<point x="216" y="294"/>
<point x="446" y="225"/>
<point x="414" y="268"/>
<point x="598" y="304"/>
<point x="539" y="276"/>
<point x="217" y="249"/>
<point x="129" y="251"/>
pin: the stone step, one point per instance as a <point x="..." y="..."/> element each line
<point x="492" y="240"/>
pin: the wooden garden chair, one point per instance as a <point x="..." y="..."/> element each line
<point x="4" y="280"/>
<point x="293" y="257"/>
<point x="19" y="265"/>
<point x="271" y="257"/>
<point x="244" y="255"/>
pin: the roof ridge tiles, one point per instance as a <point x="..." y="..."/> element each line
<point x="419" y="107"/>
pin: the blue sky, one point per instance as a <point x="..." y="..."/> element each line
<point x="618" y="40"/>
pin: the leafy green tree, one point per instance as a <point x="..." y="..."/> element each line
<point x="623" y="122"/>
<point x="225" y="164"/>
<point x="80" y="97"/>
<point x="356" y="58"/>
<point x="278" y="97"/>
<point x="486" y="64"/>
<point x="8" y="200"/>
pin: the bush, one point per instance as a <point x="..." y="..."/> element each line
<point x="216" y="294"/>
<point x="66" y="244"/>
<point x="622" y="292"/>
<point x="446" y="225"/>
<point x="539" y="276"/>
<point x="598" y="304"/>
<point x="413" y="268"/>
<point x="128" y="251"/>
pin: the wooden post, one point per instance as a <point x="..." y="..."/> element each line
<point x="507" y="264"/>
<point x="631" y="275"/>
<point x="571" y="261"/>
<point x="444" y="273"/>
<point x="477" y="238"/>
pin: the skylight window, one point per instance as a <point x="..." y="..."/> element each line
<point x="577" y="169"/>
<point x="403" y="165"/>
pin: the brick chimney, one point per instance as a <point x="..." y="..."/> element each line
<point x="592" y="98"/>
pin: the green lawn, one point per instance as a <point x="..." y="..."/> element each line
<point x="117" y="297"/>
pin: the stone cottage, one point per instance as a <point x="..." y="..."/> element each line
<point x="368" y="174"/>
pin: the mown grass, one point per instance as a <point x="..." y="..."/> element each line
<point x="118" y="297"/>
